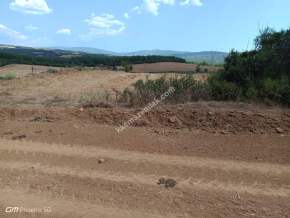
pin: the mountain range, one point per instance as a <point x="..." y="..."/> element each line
<point x="211" y="57"/>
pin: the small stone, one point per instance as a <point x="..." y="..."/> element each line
<point x="175" y="120"/>
<point x="161" y="181"/>
<point x="156" y="131"/>
<point x="170" y="183"/>
<point x="81" y="109"/>
<point x="100" y="161"/>
<point x="172" y="119"/>
<point x="19" y="137"/>
<point x="167" y="183"/>
<point x="279" y="130"/>
<point x="141" y="123"/>
<point x="224" y="132"/>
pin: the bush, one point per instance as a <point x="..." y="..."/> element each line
<point x="270" y="89"/>
<point x="186" y="89"/>
<point x="198" y="69"/>
<point x="285" y="95"/>
<point x="95" y="99"/>
<point x="128" y="68"/>
<point x="8" y="76"/>
<point x="263" y="73"/>
<point x="222" y="90"/>
<point x="201" y="91"/>
<point x="51" y="70"/>
<point x="251" y="93"/>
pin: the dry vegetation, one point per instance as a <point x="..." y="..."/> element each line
<point x="66" y="86"/>
<point x="21" y="70"/>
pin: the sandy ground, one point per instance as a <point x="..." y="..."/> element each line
<point x="227" y="159"/>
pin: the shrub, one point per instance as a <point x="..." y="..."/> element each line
<point x="186" y="89"/>
<point x="94" y="99"/>
<point x="51" y="70"/>
<point x="270" y="89"/>
<point x="285" y="95"/>
<point x="251" y="93"/>
<point x="128" y="68"/>
<point x="198" y="68"/>
<point x="222" y="90"/>
<point x="8" y="76"/>
<point x="201" y="91"/>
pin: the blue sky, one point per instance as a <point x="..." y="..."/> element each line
<point x="129" y="25"/>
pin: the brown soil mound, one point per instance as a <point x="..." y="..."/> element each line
<point x="213" y="118"/>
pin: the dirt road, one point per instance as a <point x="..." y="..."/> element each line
<point x="73" y="182"/>
<point x="72" y="166"/>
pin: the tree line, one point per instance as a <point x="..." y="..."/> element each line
<point x="262" y="74"/>
<point x="86" y="60"/>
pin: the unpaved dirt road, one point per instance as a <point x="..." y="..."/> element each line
<point x="71" y="164"/>
<point x="71" y="181"/>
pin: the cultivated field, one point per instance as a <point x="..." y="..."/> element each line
<point x="203" y="159"/>
<point x="170" y="67"/>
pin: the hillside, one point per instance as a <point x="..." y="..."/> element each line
<point x="212" y="57"/>
<point x="10" y="54"/>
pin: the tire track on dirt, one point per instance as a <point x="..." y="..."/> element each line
<point x="119" y="166"/>
<point x="38" y="169"/>
<point x="87" y="152"/>
<point x="150" y="180"/>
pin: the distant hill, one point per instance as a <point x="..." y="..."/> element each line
<point x="37" y="52"/>
<point x="10" y="54"/>
<point x="211" y="57"/>
<point x="85" y="50"/>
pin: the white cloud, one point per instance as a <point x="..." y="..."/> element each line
<point x="126" y="15"/>
<point x="136" y="9"/>
<point x="105" y="24"/>
<point x="64" y="31"/>
<point x="31" y="27"/>
<point x="36" y="7"/>
<point x="153" y="5"/>
<point x="11" y="33"/>
<point x="192" y="2"/>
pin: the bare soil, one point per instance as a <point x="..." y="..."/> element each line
<point x="170" y="67"/>
<point x="224" y="159"/>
